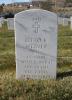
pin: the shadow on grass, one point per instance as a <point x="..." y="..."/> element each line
<point x="64" y="74"/>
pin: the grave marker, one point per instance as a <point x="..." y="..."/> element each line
<point x="60" y="20"/>
<point x="71" y="22"/>
<point x="1" y="21"/>
<point x="36" y="44"/>
<point x="10" y="23"/>
<point x="65" y="21"/>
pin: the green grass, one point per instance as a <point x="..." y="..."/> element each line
<point x="12" y="89"/>
<point x="7" y="48"/>
<point x="64" y="49"/>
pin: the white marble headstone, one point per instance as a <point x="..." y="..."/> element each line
<point x="36" y="44"/>
<point x="10" y="23"/>
<point x="71" y="22"/>
<point x="1" y="21"/>
<point x="65" y="21"/>
<point x="60" y="20"/>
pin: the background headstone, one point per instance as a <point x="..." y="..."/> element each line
<point x="60" y="20"/>
<point x="1" y="21"/>
<point x="10" y="23"/>
<point x="71" y="22"/>
<point x="65" y="22"/>
<point x="36" y="44"/>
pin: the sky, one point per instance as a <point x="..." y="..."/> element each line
<point x="9" y="1"/>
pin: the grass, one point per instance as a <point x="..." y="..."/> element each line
<point x="64" y="49"/>
<point x="12" y="89"/>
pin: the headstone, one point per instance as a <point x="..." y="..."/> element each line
<point x="36" y="44"/>
<point x="10" y="23"/>
<point x="65" y="22"/>
<point x="1" y="21"/>
<point x="60" y="20"/>
<point x="71" y="22"/>
<point x="5" y="20"/>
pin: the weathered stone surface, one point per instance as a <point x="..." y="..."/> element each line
<point x="36" y="44"/>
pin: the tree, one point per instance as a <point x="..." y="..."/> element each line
<point x="3" y="4"/>
<point x="1" y="8"/>
<point x="47" y="5"/>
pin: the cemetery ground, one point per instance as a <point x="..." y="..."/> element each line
<point x="12" y="89"/>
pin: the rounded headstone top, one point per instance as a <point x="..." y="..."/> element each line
<point x="36" y="10"/>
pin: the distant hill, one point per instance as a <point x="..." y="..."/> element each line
<point x="19" y="3"/>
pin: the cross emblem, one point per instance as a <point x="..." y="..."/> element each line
<point x="36" y="27"/>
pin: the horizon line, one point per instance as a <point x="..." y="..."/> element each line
<point x="15" y="2"/>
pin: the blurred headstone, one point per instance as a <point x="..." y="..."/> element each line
<point x="71" y="22"/>
<point x="1" y="21"/>
<point x="65" y="22"/>
<point x="10" y="23"/>
<point x="60" y="20"/>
